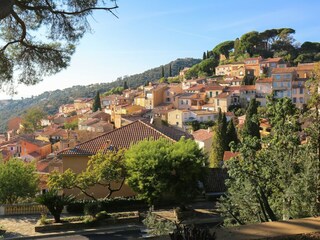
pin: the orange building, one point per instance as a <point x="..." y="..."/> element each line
<point x="32" y="149"/>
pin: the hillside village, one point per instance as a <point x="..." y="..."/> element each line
<point x="166" y="108"/>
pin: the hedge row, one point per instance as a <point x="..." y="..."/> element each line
<point x="109" y="205"/>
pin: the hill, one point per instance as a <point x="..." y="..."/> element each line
<point x="51" y="100"/>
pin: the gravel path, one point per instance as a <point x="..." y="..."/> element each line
<point x="19" y="226"/>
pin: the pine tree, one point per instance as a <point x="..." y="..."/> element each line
<point x="231" y="134"/>
<point x="204" y="57"/>
<point x="97" y="103"/>
<point x="251" y="125"/>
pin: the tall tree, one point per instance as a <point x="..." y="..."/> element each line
<point x="125" y="85"/>
<point x="96" y="103"/>
<point x="162" y="71"/>
<point x="251" y="124"/>
<point x="219" y="141"/>
<point x="170" y="71"/>
<point x="204" y="56"/>
<point x="18" y="181"/>
<point x="25" y="55"/>
<point x="231" y="135"/>
<point x="249" y="41"/>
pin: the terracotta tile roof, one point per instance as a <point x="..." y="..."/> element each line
<point x="198" y="87"/>
<point x="264" y="80"/>
<point x="214" y="87"/>
<point x="269" y="60"/>
<point x="202" y="134"/>
<point x="228" y="155"/>
<point x="222" y="95"/>
<point x="125" y="136"/>
<point x="36" y="142"/>
<point x="202" y="112"/>
<point x="187" y="95"/>
<point x="305" y="66"/>
<point x="283" y="70"/>
<point x="247" y="87"/>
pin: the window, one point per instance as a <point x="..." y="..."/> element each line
<point x="287" y="76"/>
<point x="181" y="102"/>
<point x="294" y="91"/>
<point x="217" y="93"/>
<point x="301" y="90"/>
<point x="301" y="99"/>
<point x="177" y="123"/>
<point x="288" y="84"/>
<point x="294" y="100"/>
<point x="187" y="102"/>
<point x="277" y="77"/>
<point x="281" y="84"/>
<point x="275" y="84"/>
<point x="168" y="99"/>
<point x="218" y="102"/>
<point x="210" y="94"/>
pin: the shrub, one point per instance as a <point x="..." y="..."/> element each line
<point x="191" y="233"/>
<point x="102" y="215"/>
<point x="92" y="208"/>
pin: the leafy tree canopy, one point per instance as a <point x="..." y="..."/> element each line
<point x="25" y="56"/>
<point x="31" y="120"/>
<point x="157" y="168"/>
<point x="18" y="181"/>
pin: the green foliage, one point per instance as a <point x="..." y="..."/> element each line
<point x="191" y="233"/>
<point x="224" y="48"/>
<point x="96" y="106"/>
<point x="251" y="125"/>
<point x="72" y="125"/>
<point x="55" y="203"/>
<point x="92" y="208"/>
<point x="204" y="68"/>
<point x="31" y="55"/>
<point x="18" y="180"/>
<point x="31" y="120"/>
<point x="231" y="135"/>
<point x="117" y="204"/>
<point x="115" y="90"/>
<point x="219" y="141"/>
<point x="156" y="226"/>
<point x="102" y="169"/>
<point x="160" y="167"/>
<point x="196" y="125"/>
<point x="276" y="182"/>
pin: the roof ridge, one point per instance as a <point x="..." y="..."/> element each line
<point x="156" y="130"/>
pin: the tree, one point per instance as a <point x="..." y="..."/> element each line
<point x="30" y="56"/>
<point x="18" y="180"/>
<point x="224" y="48"/>
<point x="103" y="169"/>
<point x="249" y="41"/>
<point x="204" y="56"/>
<point x="277" y="181"/>
<point x="170" y="71"/>
<point x="159" y="167"/>
<point x="125" y="85"/>
<point x="231" y="135"/>
<point x="96" y="103"/>
<point x="251" y="124"/>
<point x="162" y="72"/>
<point x="219" y="141"/>
<point x="31" y="120"/>
<point x="55" y="203"/>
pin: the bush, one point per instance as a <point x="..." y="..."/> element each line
<point x="92" y="208"/>
<point x="109" y="205"/>
<point x="102" y="215"/>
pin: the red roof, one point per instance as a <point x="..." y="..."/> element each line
<point x="283" y="70"/>
<point x="125" y="136"/>
<point x="202" y="134"/>
<point x="222" y="95"/>
<point x="227" y="155"/>
<point x="264" y="80"/>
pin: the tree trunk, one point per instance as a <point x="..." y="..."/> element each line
<point x="5" y="8"/>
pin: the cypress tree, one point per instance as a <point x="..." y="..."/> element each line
<point x="204" y="57"/>
<point x="96" y="103"/>
<point x="251" y="125"/>
<point x="125" y="85"/>
<point x="162" y="72"/>
<point x="231" y="134"/>
<point x="170" y="71"/>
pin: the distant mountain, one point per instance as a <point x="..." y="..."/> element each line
<point x="51" y="100"/>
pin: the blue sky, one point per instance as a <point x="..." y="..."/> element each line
<point x="150" y="33"/>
